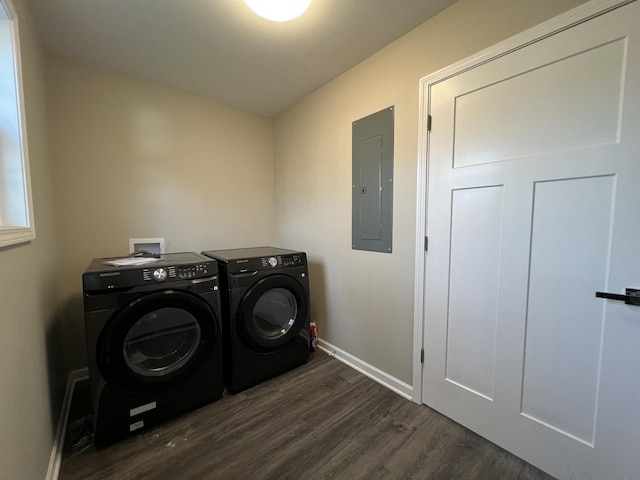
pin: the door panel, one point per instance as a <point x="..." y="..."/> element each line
<point x="570" y="246"/>
<point x="471" y="334"/>
<point x="532" y="197"/>
<point x="584" y="119"/>
<point x="370" y="168"/>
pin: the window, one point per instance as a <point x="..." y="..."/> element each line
<point x="16" y="215"/>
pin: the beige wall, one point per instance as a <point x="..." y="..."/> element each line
<point x="32" y="378"/>
<point x="363" y="301"/>
<point x="137" y="160"/>
<point x="132" y="159"/>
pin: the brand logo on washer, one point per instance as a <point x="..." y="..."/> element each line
<point x="110" y="274"/>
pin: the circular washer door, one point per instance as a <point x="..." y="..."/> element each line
<point x="272" y="312"/>
<point x="156" y="340"/>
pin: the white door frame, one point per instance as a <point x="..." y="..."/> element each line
<point x="564" y="21"/>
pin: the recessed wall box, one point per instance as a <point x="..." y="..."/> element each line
<point x="151" y="245"/>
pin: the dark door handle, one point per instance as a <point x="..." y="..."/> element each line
<point x="631" y="297"/>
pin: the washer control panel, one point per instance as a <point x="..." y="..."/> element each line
<point x="160" y="274"/>
<point x="193" y="271"/>
<point x="103" y="275"/>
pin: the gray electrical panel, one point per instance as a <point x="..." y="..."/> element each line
<point x="372" y="185"/>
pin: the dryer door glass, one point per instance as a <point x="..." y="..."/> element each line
<point x="274" y="313"/>
<point x="161" y="342"/>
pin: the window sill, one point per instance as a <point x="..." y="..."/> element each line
<point x="16" y="235"/>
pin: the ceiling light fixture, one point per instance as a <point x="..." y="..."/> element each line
<point x="278" y="10"/>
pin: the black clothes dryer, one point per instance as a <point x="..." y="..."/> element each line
<point x="265" y="313"/>
<point x="154" y="340"/>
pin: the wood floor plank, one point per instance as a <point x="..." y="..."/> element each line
<point x="320" y="421"/>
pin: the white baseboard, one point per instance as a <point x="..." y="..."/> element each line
<point x="58" y="441"/>
<point x="370" y="371"/>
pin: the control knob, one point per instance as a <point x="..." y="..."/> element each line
<point x="273" y="261"/>
<point x="159" y="274"/>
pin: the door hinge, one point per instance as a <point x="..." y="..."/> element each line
<point x="422" y="356"/>
<point x="428" y="123"/>
<point x="426" y="243"/>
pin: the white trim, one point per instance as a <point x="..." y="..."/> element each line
<point x="370" y="371"/>
<point x="562" y="22"/>
<point x="58" y="442"/>
<point x="22" y="233"/>
<point x="421" y="229"/>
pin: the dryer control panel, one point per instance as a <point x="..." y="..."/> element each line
<point x="253" y="259"/>
<point x="272" y="262"/>
<point x="283" y="260"/>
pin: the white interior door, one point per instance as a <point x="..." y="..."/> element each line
<point x="533" y="206"/>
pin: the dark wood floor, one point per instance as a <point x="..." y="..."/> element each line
<point x="323" y="420"/>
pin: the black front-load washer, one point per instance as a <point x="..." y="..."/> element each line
<point x="154" y="340"/>
<point x="265" y="313"/>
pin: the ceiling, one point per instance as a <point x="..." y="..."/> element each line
<point x="220" y="49"/>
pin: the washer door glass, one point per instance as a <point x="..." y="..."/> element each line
<point x="274" y="313"/>
<point x="157" y="339"/>
<point x="161" y="342"/>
